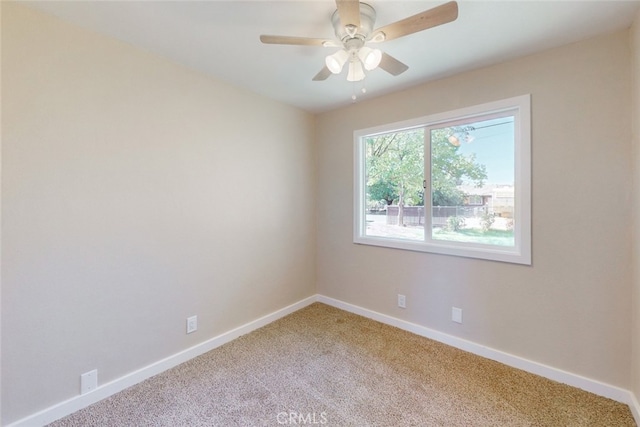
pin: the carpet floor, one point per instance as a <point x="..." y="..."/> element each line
<point x="324" y="366"/>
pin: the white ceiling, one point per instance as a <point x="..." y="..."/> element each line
<point x="221" y="38"/>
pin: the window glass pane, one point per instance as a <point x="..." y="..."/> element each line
<point x="473" y="182"/>
<point x="394" y="177"/>
<point x="476" y="162"/>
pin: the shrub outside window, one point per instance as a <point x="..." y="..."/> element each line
<point x="456" y="183"/>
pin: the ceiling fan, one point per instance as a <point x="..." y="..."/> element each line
<point x="353" y="24"/>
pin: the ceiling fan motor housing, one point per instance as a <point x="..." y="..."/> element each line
<point x="367" y="20"/>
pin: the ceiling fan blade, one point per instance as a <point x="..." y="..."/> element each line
<point x="322" y="75"/>
<point x="349" y="12"/>
<point x="300" y="41"/>
<point x="391" y="65"/>
<point x="428" y="19"/>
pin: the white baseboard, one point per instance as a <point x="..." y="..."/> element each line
<point x="590" y="385"/>
<point x="76" y="403"/>
<point x="635" y="408"/>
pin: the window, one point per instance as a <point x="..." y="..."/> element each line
<point x="456" y="183"/>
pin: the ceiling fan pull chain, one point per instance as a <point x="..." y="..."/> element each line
<point x="363" y="89"/>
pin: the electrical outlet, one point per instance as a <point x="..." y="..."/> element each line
<point x="456" y="314"/>
<point x="402" y="301"/>
<point x="192" y="324"/>
<point x="88" y="381"/>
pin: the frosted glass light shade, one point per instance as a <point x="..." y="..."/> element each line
<point x="336" y="61"/>
<point x="356" y="73"/>
<point x="370" y="57"/>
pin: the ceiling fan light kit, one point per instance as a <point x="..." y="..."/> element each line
<point x="364" y="57"/>
<point x="353" y="23"/>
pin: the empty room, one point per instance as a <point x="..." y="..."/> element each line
<point x="323" y="212"/>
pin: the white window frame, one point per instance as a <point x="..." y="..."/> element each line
<point x="520" y="253"/>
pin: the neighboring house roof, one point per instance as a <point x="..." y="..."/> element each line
<point x="490" y="190"/>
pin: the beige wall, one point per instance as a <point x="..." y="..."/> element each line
<point x="571" y="309"/>
<point x="635" y="57"/>
<point x="136" y="193"/>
